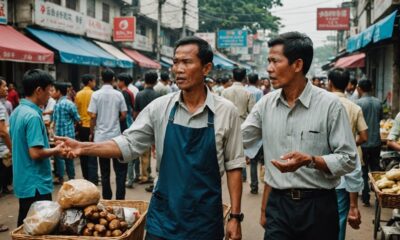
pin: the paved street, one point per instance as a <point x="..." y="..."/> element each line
<point x="250" y="204"/>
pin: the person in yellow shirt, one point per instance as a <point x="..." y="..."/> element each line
<point x="89" y="165"/>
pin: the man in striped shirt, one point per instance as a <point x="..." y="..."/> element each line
<point x="65" y="116"/>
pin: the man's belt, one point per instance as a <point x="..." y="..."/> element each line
<point x="300" y="193"/>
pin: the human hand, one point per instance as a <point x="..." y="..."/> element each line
<point x="294" y="160"/>
<point x="233" y="230"/>
<point x="354" y="218"/>
<point x="70" y="148"/>
<point x="263" y="220"/>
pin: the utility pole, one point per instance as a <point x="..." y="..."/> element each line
<point x="160" y="3"/>
<point x="184" y="18"/>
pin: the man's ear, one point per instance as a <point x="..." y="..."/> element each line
<point x="298" y="65"/>
<point x="207" y="68"/>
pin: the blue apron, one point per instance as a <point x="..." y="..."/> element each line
<point x="186" y="202"/>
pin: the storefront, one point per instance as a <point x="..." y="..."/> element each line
<point x="144" y="62"/>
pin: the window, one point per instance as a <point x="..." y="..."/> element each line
<point x="91" y="8"/>
<point x="55" y="1"/>
<point x="72" y="4"/>
<point x="106" y="12"/>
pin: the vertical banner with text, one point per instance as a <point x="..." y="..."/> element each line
<point x="124" y="29"/>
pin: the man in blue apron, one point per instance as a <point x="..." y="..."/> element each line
<point x="197" y="137"/>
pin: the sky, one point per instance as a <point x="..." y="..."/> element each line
<point x="301" y="15"/>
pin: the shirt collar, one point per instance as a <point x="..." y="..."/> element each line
<point x="107" y="86"/>
<point x="209" y="100"/>
<point x="30" y="104"/>
<point x="305" y="96"/>
<point x="237" y="84"/>
<point x="340" y="94"/>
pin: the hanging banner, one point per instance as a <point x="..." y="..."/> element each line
<point x="333" y="19"/>
<point x="3" y="11"/>
<point x="124" y="29"/>
<point x="232" y="38"/>
<point x="56" y="17"/>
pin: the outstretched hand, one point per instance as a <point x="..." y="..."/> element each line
<point x="293" y="161"/>
<point x="70" y="147"/>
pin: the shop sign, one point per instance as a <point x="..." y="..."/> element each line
<point x="98" y="29"/>
<point x="209" y="37"/>
<point x="142" y="43"/>
<point x="3" y="11"/>
<point x="124" y="29"/>
<point x="167" y="51"/>
<point x="333" y="18"/>
<point x="53" y="16"/>
<point x="26" y="57"/>
<point x="232" y="38"/>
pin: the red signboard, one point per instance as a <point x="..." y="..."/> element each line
<point x="333" y="19"/>
<point x="124" y="29"/>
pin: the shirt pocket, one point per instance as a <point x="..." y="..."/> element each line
<point x="313" y="142"/>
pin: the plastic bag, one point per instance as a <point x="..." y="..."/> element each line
<point x="119" y="212"/>
<point x="131" y="215"/>
<point x="72" y="222"/>
<point x="43" y="217"/>
<point x="78" y="193"/>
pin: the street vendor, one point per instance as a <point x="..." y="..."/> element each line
<point x="308" y="144"/>
<point x="197" y="137"/>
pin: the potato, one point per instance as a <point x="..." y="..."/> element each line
<point x="103" y="214"/>
<point x="393" y="174"/>
<point x="96" y="234"/>
<point x="116" y="233"/>
<point x="90" y="226"/>
<point x="114" y="224"/>
<point x="103" y="221"/>
<point x="109" y="209"/>
<point x="100" y="228"/>
<point x="88" y="211"/>
<point x="384" y="183"/>
<point x="108" y="233"/>
<point x="389" y="191"/>
<point x="124" y="225"/>
<point x="110" y="217"/>
<point x="87" y="232"/>
<point x="95" y="216"/>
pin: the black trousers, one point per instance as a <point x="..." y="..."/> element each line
<point x="89" y="164"/>
<point x="307" y="219"/>
<point x="5" y="176"/>
<point x="25" y="204"/>
<point x="371" y="163"/>
<point x="120" y="170"/>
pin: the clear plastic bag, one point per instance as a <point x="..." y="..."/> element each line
<point x="131" y="215"/>
<point x="78" y="193"/>
<point x="43" y="218"/>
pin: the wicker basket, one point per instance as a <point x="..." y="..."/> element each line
<point x="386" y="200"/>
<point x="136" y="232"/>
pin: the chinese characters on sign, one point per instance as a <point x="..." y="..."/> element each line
<point x="53" y="16"/>
<point x="124" y="29"/>
<point x="333" y="19"/>
<point x="3" y="11"/>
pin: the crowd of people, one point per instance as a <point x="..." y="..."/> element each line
<point x="317" y="145"/>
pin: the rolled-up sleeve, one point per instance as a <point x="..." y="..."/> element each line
<point x="138" y="137"/>
<point x="354" y="181"/>
<point x="233" y="147"/>
<point x="252" y="132"/>
<point x="342" y="144"/>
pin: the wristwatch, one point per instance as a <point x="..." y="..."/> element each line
<point x="312" y="163"/>
<point x="238" y="216"/>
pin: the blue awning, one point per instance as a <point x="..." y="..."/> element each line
<point x="75" y="50"/>
<point x="367" y="36"/>
<point x="220" y="62"/>
<point x="384" y="28"/>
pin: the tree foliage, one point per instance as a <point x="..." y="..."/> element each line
<point x="323" y="53"/>
<point x="230" y="14"/>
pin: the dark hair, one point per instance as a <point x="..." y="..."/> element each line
<point x="125" y="77"/>
<point x="86" y="78"/>
<point x="295" y="46"/>
<point x="151" y="77"/>
<point x="107" y="75"/>
<point x="253" y="78"/>
<point x="205" y="53"/>
<point x="225" y="79"/>
<point x="239" y="74"/>
<point x="353" y="82"/>
<point x="365" y="85"/>
<point x="339" y="77"/>
<point x="164" y="76"/>
<point x="62" y="87"/>
<point x="35" y="78"/>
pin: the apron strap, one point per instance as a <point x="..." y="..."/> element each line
<point x="210" y="121"/>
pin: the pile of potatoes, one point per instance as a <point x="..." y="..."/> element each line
<point x="390" y="182"/>
<point x="103" y="222"/>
